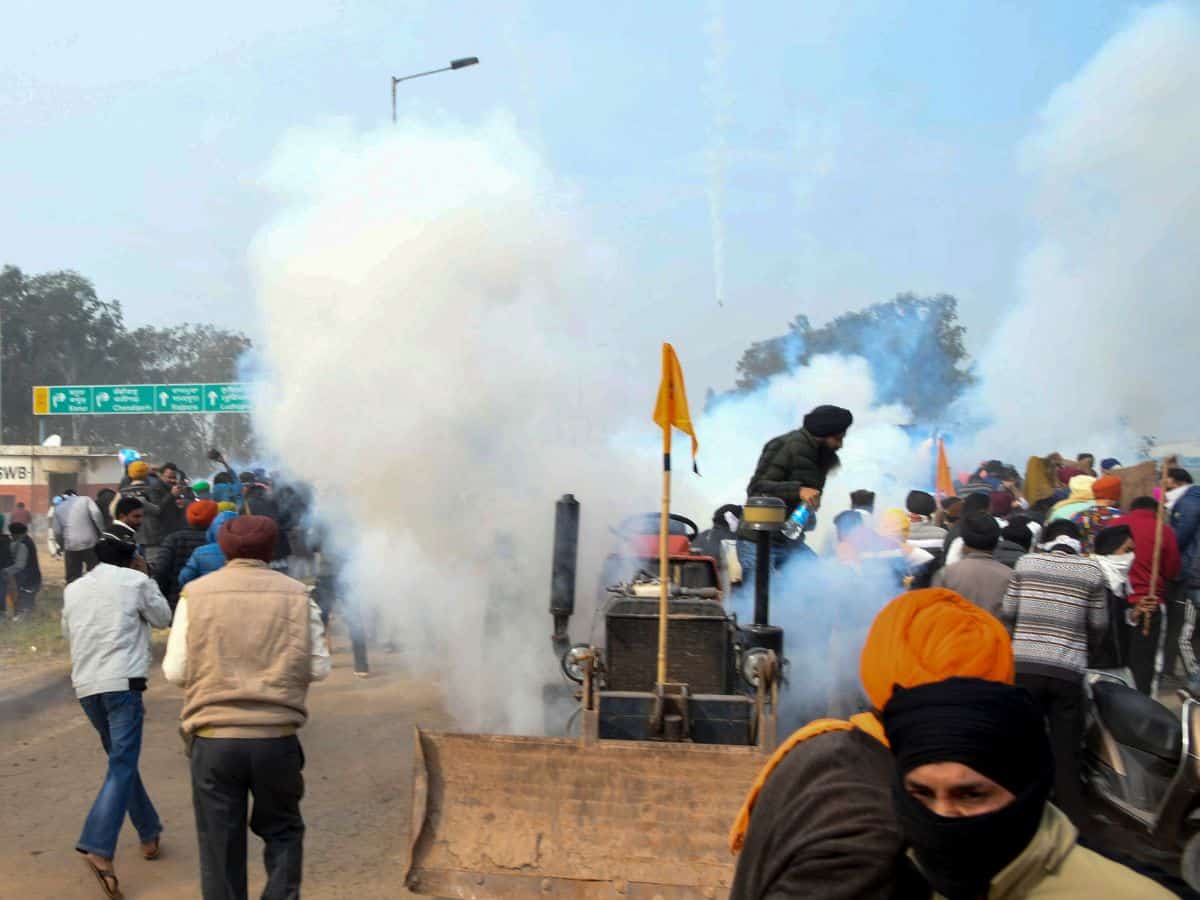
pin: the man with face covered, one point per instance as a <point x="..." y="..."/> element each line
<point x="818" y="821"/>
<point x="974" y="770"/>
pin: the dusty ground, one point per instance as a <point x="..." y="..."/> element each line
<point x="358" y="749"/>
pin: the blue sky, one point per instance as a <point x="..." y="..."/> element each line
<point x="870" y="148"/>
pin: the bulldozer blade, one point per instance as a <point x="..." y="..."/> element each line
<point x="498" y="816"/>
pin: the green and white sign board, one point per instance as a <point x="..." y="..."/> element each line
<point x="123" y="399"/>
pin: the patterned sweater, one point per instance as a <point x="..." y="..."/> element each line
<point x="1052" y="603"/>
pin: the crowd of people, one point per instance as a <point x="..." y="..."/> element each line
<point x="165" y="552"/>
<point x="1010" y="588"/>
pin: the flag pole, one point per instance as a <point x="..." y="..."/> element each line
<point x="663" y="559"/>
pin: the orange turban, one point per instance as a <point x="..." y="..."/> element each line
<point x="201" y="513"/>
<point x="137" y="470"/>
<point x="930" y="635"/>
<point x="1107" y="488"/>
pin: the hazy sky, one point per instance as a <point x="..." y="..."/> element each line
<point x="868" y="148"/>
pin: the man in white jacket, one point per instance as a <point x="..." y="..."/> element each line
<point x="107" y="616"/>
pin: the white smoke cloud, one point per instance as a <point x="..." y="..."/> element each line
<point x="1107" y="307"/>
<point x="442" y="368"/>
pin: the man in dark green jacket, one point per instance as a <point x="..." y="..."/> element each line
<point x="793" y="467"/>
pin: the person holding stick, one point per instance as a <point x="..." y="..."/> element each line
<point x="1155" y="562"/>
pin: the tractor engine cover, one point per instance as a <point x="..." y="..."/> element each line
<point x="699" y="645"/>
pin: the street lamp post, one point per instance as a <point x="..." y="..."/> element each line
<point x="454" y="64"/>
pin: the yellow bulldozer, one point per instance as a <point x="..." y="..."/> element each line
<point x="639" y="802"/>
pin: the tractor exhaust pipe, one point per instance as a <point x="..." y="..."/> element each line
<point x="765" y="516"/>
<point x="564" y="566"/>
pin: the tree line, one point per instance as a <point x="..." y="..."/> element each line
<point x="54" y="329"/>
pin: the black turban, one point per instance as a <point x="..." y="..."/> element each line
<point x="828" y="421"/>
<point x="920" y="503"/>
<point x="993" y="728"/>
<point x="980" y="532"/>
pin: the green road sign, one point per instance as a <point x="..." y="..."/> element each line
<point x="124" y="399"/>
<point x="227" y="397"/>
<point x="70" y="400"/>
<point x="179" y="398"/>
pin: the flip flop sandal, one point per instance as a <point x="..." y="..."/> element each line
<point x="154" y="852"/>
<point x="105" y="876"/>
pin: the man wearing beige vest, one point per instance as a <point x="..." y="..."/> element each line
<point x="245" y="644"/>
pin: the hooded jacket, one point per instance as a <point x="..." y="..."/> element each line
<point x="1185" y="520"/>
<point x="208" y="558"/>
<point x="1054" y="867"/>
<point x="787" y="463"/>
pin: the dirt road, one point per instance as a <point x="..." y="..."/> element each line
<point x="358" y="750"/>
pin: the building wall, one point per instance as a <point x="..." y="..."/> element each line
<point x="33" y="475"/>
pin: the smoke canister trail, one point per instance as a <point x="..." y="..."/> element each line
<point x="717" y="90"/>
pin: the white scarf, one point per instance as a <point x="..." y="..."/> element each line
<point x="1062" y="541"/>
<point x="1116" y="571"/>
<point x="1174" y="495"/>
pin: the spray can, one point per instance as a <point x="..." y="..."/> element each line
<point x="793" y="528"/>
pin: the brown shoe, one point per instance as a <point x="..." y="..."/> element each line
<point x="153" y="848"/>
<point x="106" y="876"/>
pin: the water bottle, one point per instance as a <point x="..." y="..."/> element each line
<point x="793" y="528"/>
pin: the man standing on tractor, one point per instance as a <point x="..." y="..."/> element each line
<point x="793" y="467"/>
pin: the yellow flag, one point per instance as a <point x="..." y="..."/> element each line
<point x="671" y="410"/>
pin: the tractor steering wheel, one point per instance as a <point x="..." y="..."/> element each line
<point x="638" y="525"/>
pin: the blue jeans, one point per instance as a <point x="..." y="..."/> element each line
<point x="118" y="716"/>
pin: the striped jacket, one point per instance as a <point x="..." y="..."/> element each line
<point x="1053" y="602"/>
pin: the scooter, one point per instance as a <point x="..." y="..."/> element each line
<point x="1142" y="762"/>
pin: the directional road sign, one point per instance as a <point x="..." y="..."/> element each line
<point x="123" y="399"/>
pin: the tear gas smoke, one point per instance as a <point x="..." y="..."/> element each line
<point x="441" y="368"/>
<point x="717" y="90"/>
<point x="432" y="343"/>
<point x="1107" y="314"/>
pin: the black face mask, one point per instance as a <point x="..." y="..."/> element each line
<point x="960" y="856"/>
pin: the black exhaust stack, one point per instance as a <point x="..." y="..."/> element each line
<point x="564" y="565"/>
<point x="764" y="516"/>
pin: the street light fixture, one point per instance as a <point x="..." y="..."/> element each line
<point x="454" y="64"/>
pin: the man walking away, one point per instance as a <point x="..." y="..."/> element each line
<point x="107" y="616"/>
<point x="24" y="574"/>
<point x="1147" y="601"/>
<point x="977" y="576"/>
<point x="1056" y="609"/>
<point x="924" y="534"/>
<point x="1183" y="504"/>
<point x="207" y="558"/>
<point x="1015" y="540"/>
<point x="174" y="552"/>
<point x="21" y="515"/>
<point x="77" y="524"/>
<point x="246" y="643"/>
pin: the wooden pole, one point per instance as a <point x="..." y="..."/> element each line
<point x="1159" y="520"/>
<point x="664" y="561"/>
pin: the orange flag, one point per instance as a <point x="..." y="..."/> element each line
<point x="671" y="410"/>
<point x="945" y="481"/>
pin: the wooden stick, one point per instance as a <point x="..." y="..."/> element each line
<point x="664" y="562"/>
<point x="1159" y="519"/>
